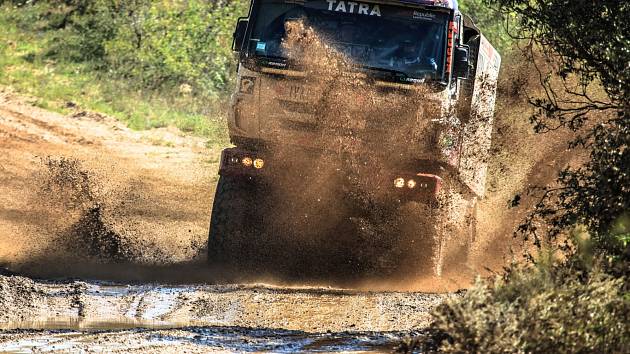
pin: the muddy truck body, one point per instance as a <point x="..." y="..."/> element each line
<point x="361" y="158"/>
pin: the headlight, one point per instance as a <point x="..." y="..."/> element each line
<point x="247" y="161"/>
<point x="399" y="182"/>
<point x="411" y="183"/>
<point x="259" y="163"/>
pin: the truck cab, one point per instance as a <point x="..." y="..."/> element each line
<point x="405" y="100"/>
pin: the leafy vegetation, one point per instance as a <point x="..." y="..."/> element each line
<point x="543" y="310"/>
<point x="488" y="18"/>
<point x="155" y="44"/>
<point x="588" y="49"/>
<point x="149" y="63"/>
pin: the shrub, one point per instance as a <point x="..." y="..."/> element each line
<point x="174" y="43"/>
<point x="154" y="44"/>
<point x="557" y="310"/>
<point x="587" y="92"/>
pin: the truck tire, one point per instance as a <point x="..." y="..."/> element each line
<point x="458" y="230"/>
<point x="439" y="235"/>
<point x="234" y="225"/>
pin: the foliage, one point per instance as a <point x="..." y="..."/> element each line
<point x="177" y="45"/>
<point x="586" y="45"/>
<point x="149" y="63"/>
<point x="487" y="17"/>
<point x="153" y="44"/>
<point x="67" y="86"/>
<point x="544" y="310"/>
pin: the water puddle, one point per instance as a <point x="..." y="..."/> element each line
<point x="91" y="325"/>
<point x="101" y="337"/>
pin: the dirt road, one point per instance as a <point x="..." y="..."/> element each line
<point x="83" y="196"/>
<point x="106" y="228"/>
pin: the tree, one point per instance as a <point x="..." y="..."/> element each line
<point x="587" y="46"/>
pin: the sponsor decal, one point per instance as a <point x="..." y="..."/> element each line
<point x="352" y="7"/>
<point x="423" y="15"/>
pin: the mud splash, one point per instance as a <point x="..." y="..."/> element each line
<point x="329" y="212"/>
<point x="83" y="198"/>
<point x="67" y="187"/>
<point x="96" y="231"/>
<point x="119" y="208"/>
<point x="87" y="230"/>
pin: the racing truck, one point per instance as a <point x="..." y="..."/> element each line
<point x="376" y="163"/>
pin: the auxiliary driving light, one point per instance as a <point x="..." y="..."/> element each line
<point x="247" y="161"/>
<point x="259" y="163"/>
<point x="411" y="183"/>
<point x="399" y="182"/>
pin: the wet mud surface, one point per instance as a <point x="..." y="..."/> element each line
<point x="77" y="315"/>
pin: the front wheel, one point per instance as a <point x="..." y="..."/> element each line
<point x="233" y="240"/>
<point x="437" y="236"/>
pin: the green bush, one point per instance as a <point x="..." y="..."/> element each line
<point x="154" y="44"/>
<point x="490" y="21"/>
<point x="540" y="311"/>
<point x="173" y="44"/>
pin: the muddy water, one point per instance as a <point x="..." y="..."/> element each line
<point x="202" y="340"/>
<point x="77" y="315"/>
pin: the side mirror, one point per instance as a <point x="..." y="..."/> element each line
<point x="239" y="34"/>
<point x="461" y="68"/>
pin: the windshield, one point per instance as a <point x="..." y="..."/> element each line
<point x="393" y="38"/>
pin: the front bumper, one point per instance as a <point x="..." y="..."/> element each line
<point x="392" y="184"/>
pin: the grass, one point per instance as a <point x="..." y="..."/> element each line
<point x="58" y="85"/>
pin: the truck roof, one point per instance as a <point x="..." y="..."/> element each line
<point x="449" y="4"/>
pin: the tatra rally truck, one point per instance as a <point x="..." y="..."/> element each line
<point x="372" y="166"/>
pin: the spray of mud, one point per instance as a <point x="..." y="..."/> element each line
<point x="330" y="215"/>
<point x="86" y="226"/>
<point x="83" y="225"/>
<point x="80" y="219"/>
<point x="74" y="219"/>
